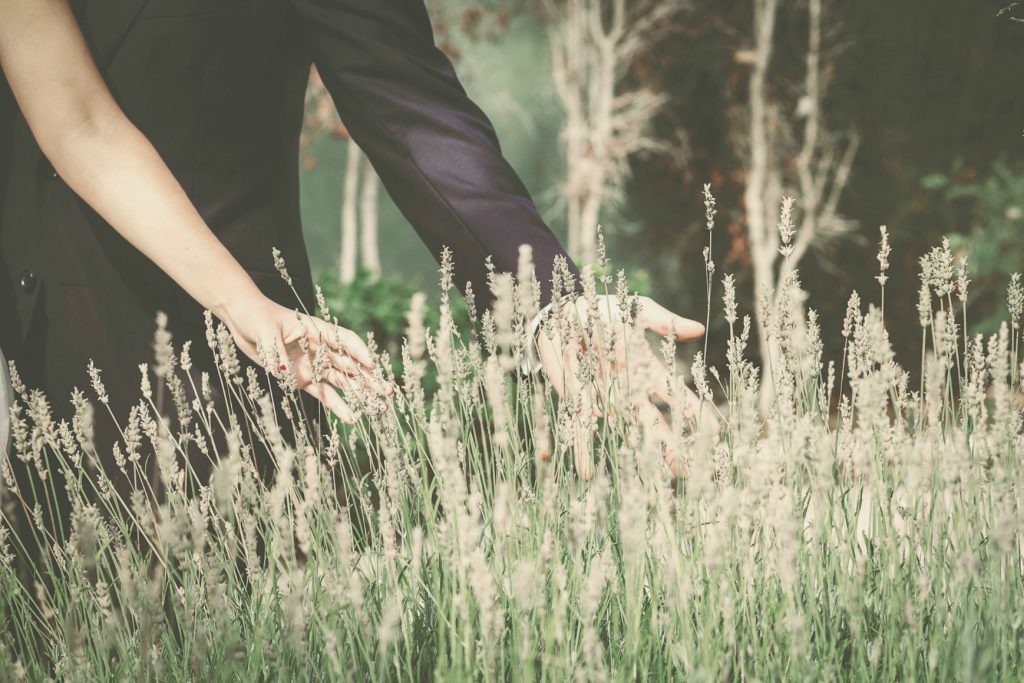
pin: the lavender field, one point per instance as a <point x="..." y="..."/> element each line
<point x="818" y="519"/>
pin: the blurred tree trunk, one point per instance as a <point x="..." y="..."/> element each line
<point x="360" y="189"/>
<point x="349" y="214"/>
<point x="593" y="45"/>
<point x="761" y="173"/>
<point x="822" y="168"/>
<point x="369" y="219"/>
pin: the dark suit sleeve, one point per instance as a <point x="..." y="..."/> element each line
<point x="434" y="149"/>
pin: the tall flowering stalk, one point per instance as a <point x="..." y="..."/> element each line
<point x="709" y="265"/>
<point x="883" y="264"/>
<point x="485" y="528"/>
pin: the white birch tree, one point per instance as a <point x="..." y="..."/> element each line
<point x="593" y="45"/>
<point x="360" y="188"/>
<point x="820" y="164"/>
<point x="347" y="257"/>
<point x="369" y="212"/>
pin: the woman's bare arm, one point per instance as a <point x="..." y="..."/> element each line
<point x="104" y="158"/>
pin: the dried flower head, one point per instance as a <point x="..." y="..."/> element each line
<point x="447" y="270"/>
<point x="602" y="248"/>
<point x="852" y="314"/>
<point x="883" y="256"/>
<point x="709" y="265"/>
<point x="1015" y="300"/>
<point x="280" y="266"/>
<point x="729" y="298"/>
<point x="786" y="227"/>
<point x="527" y="289"/>
<point x="700" y="380"/>
<point x="147" y="389"/>
<point x="321" y="303"/>
<point x="186" y="356"/>
<point x="97" y="383"/>
<point x="961" y="280"/>
<point x="163" y="351"/>
<point x="709" y="207"/>
<point x="924" y="305"/>
<point x="937" y="269"/>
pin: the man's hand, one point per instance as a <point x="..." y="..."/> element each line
<point x="617" y="359"/>
<point x="258" y="322"/>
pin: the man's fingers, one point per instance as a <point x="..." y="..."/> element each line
<point x="550" y="352"/>
<point x="583" y="450"/>
<point x="659" y="377"/>
<point x="663" y="322"/>
<point x="654" y="420"/>
<point x="562" y="368"/>
<point x="702" y="413"/>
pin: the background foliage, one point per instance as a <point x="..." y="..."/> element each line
<point x="932" y="88"/>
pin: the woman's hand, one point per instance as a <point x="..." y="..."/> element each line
<point x="257" y="323"/>
<point x="110" y="164"/>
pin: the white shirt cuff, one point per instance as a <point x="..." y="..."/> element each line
<point x="531" y="360"/>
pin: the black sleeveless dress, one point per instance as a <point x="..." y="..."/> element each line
<point x="7" y="317"/>
<point x="7" y="328"/>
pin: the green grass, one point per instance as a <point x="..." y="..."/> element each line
<point x="877" y="541"/>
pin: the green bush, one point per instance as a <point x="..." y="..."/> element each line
<point x="989" y="214"/>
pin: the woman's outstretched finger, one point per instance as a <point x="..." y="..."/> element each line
<point x="280" y="362"/>
<point x="294" y="332"/>
<point x="701" y="412"/>
<point x="342" y="340"/>
<point x="562" y="368"/>
<point x="337" y="379"/>
<point x="348" y="365"/>
<point x="300" y="365"/>
<point x="328" y="396"/>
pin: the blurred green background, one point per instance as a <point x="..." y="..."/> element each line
<point x="934" y="90"/>
<point x="506" y="78"/>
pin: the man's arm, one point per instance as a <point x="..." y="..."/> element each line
<point x="439" y="158"/>
<point x="434" y="149"/>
